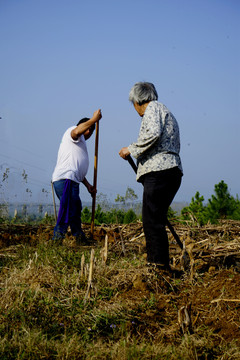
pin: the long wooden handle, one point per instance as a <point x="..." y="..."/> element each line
<point x="54" y="204"/>
<point x="95" y="176"/>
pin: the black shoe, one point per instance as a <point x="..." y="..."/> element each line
<point x="165" y="269"/>
<point x="82" y="240"/>
<point x="58" y="239"/>
<point x="157" y="266"/>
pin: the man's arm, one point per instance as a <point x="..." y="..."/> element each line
<point x="81" y="128"/>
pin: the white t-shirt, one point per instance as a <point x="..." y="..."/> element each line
<point x="72" y="160"/>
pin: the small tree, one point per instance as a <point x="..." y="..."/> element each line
<point x="221" y="205"/>
<point x="99" y="215"/>
<point x="4" y="202"/>
<point x="236" y="212"/>
<point x="115" y="216"/>
<point x="86" y="215"/>
<point x="196" y="211"/>
<point x="40" y="209"/>
<point x="24" y="211"/>
<point x="129" y="197"/>
<point x="130" y="217"/>
<point x="171" y="214"/>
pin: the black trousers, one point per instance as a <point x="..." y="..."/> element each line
<point x="159" y="190"/>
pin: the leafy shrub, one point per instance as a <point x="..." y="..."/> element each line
<point x="129" y="217"/>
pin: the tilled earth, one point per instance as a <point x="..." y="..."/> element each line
<point x="203" y="292"/>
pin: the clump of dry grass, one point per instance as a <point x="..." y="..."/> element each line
<point x="129" y="311"/>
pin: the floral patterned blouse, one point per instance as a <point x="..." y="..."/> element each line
<point x="158" y="144"/>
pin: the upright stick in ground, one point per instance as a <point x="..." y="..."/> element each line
<point x="95" y="177"/>
<point x="54" y="204"/>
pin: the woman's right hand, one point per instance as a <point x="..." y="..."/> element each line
<point x="124" y="152"/>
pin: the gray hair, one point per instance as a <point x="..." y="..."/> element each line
<point x="143" y="92"/>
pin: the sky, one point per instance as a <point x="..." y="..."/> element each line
<point x="63" y="59"/>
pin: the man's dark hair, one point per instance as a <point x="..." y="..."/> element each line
<point x="83" y="120"/>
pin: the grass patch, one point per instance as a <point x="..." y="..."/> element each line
<point x="132" y="313"/>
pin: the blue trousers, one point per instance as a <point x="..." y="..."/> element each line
<point x="75" y="207"/>
<point x="159" y="190"/>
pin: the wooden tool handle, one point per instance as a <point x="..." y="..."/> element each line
<point x="95" y="176"/>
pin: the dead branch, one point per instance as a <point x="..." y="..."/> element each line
<point x="184" y="319"/>
<point x="231" y="300"/>
<point x="90" y="287"/>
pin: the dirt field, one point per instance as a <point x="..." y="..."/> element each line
<point x="203" y="292"/>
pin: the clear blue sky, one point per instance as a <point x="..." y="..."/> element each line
<point x="61" y="60"/>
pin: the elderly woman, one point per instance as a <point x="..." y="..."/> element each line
<point x="159" y="167"/>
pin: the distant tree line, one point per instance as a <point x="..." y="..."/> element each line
<point x="221" y="205"/>
<point x="109" y="217"/>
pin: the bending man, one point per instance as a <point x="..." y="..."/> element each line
<point x="71" y="169"/>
